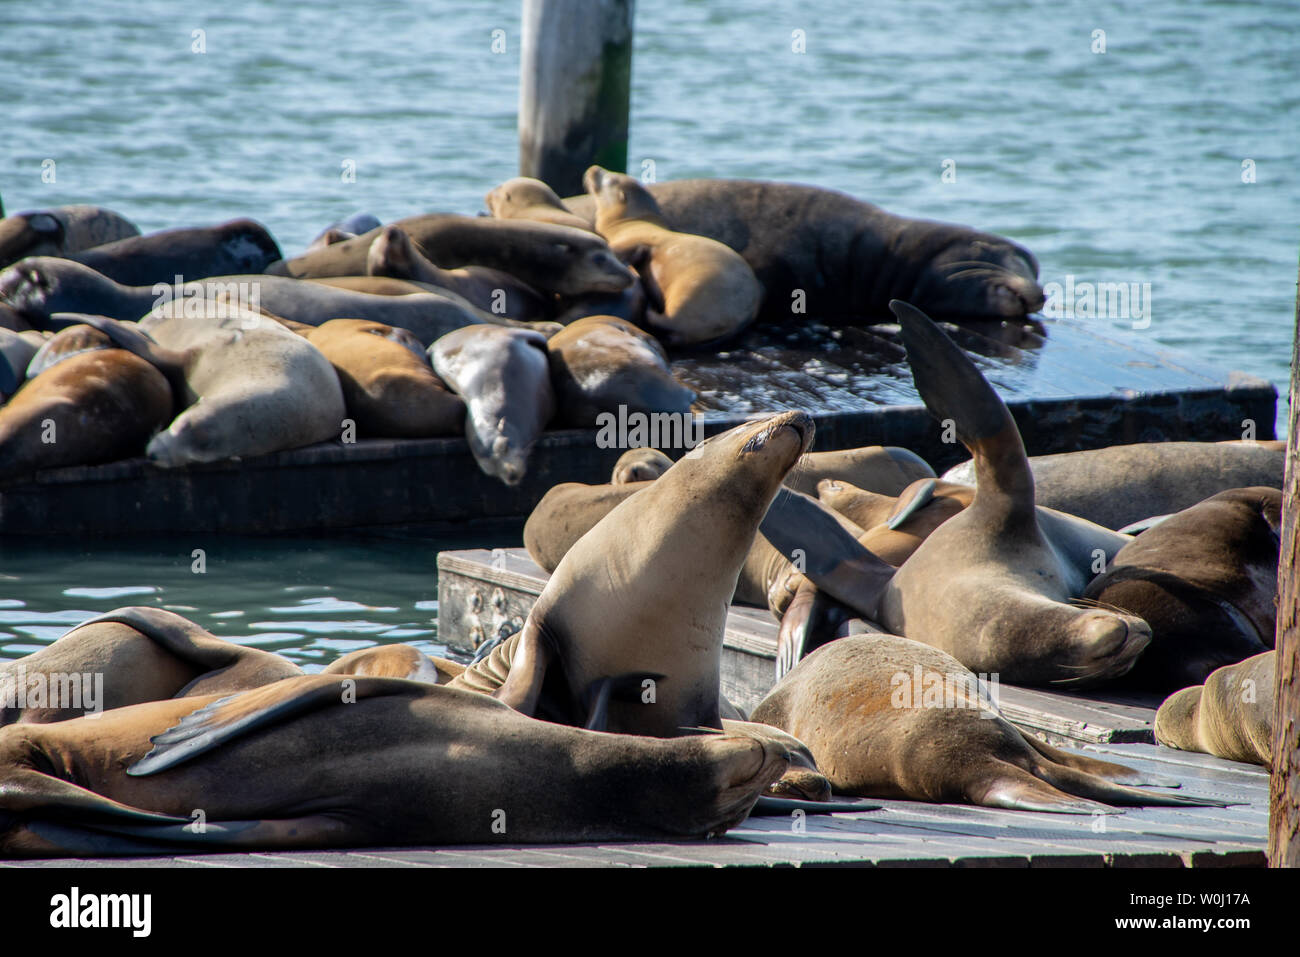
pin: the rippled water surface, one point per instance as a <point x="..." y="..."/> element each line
<point x="1118" y="166"/>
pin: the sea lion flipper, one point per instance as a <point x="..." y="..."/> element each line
<point x="811" y="620"/>
<point x="913" y="498"/>
<point x="1117" y="773"/>
<point x="523" y="685"/>
<point x="234" y="716"/>
<point x="133" y="339"/>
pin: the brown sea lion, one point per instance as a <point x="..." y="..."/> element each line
<point x="1230" y="716"/>
<point x="1122" y="484"/>
<point x="388" y="385"/>
<point x="69" y="341"/>
<point x="639" y="465"/>
<point x="601" y="621"/>
<point x="396" y="661"/>
<point x="503" y="376"/>
<point x="892" y="718"/>
<point x="327" y="761"/>
<point x="61" y="231"/>
<point x="526" y="198"/>
<point x="549" y="258"/>
<point x="697" y="289"/>
<point x="1205" y="580"/>
<point x="135" y="654"/>
<point x="348" y="228"/>
<point x="392" y="254"/>
<point x="238" y="247"/>
<point x="884" y="469"/>
<point x="838" y="258"/>
<point x="604" y="364"/>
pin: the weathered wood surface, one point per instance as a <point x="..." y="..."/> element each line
<point x="1076" y="389"/>
<point x="900" y="834"/>
<point x="483" y="593"/>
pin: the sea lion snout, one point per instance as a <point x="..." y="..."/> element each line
<point x="1111" y="642"/>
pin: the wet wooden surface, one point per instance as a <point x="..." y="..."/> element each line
<point x="1083" y="385"/>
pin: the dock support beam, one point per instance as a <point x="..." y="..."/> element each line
<point x="1284" y="794"/>
<point x="575" y="89"/>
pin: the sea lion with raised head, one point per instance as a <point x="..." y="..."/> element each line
<point x="697" y="289"/>
<point x="603" y="364"/>
<point x="60" y="231"/>
<point x="328" y="761"/>
<point x="888" y="717"/>
<point x="238" y="247"/>
<point x="503" y="377"/>
<point x="1205" y="580"/>
<point x="839" y="258"/>
<point x="1230" y="716"/>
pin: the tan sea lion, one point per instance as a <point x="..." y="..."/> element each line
<point x="136" y="654"/>
<point x="327" y="761"/>
<point x="568" y="511"/>
<point x="526" y="198"/>
<point x="1230" y="716"/>
<point x="604" y="364"/>
<point x="393" y="254"/>
<point x="891" y="718"/>
<point x="1205" y="580"/>
<point x="885" y="469"/>
<point x="601" y="621"/>
<point x="388" y="385"/>
<point x="396" y="661"/>
<point x="238" y="247"/>
<point x="639" y="465"/>
<point x="503" y="376"/>
<point x="1121" y="484"/>
<point x="61" y="231"/>
<point x="844" y="259"/>
<point x="549" y="258"/>
<point x="697" y="289"/>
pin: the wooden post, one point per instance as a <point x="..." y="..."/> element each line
<point x="1284" y="789"/>
<point x="575" y="89"/>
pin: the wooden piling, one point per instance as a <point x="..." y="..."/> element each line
<point x="1284" y="796"/>
<point x="575" y="86"/>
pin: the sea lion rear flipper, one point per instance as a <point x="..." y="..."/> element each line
<point x="913" y="498"/>
<point x="234" y="716"/>
<point x="1096" y="788"/>
<point x="523" y="686"/>
<point x="1117" y="773"/>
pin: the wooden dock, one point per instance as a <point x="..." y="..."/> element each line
<point x="1083" y="385"/>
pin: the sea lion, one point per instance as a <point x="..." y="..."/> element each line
<point x="884" y="469"/>
<point x="67" y="342"/>
<point x="1122" y="484"/>
<point x="396" y="661"/>
<point x="842" y="259"/>
<point x="348" y="228"/>
<point x="234" y="248"/>
<point x="137" y="654"/>
<point x="502" y="375"/>
<point x="393" y="255"/>
<point x="1230" y="716"/>
<point x="697" y="289"/>
<point x="97" y="406"/>
<point x="549" y="258"/>
<point x="568" y="511"/>
<point x="1205" y="580"/>
<point x="601" y="621"/>
<point x="388" y="385"/>
<point x="17" y="349"/>
<point x="40" y="287"/>
<point x="639" y="465"/>
<point x="888" y="717"/>
<point x="250" y="386"/>
<point x="60" y="231"/>
<point x="604" y="364"/>
<point x="526" y="198"/>
<point x="327" y="761"/>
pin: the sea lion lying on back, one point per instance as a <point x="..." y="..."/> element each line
<point x="847" y="259"/>
<point x="1230" y="716"/>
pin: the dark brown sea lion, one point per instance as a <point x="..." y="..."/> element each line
<point x="1122" y="484"/>
<point x="1230" y="716"/>
<point x="1205" y="580"/>
<point x="835" y="257"/>
<point x="328" y="761"/>
<point x="697" y="289"/>
<point x="61" y="231"/>
<point x="549" y="258"/>
<point x="235" y="248"/>
<point x="892" y="718"/>
<point x="604" y="364"/>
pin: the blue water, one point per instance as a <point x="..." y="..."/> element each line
<point x="1123" y="166"/>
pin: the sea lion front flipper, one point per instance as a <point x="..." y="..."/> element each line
<point x="913" y="498"/>
<point x="234" y="716"/>
<point x="523" y="685"/>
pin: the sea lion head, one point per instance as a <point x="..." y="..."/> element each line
<point x="521" y="193"/>
<point x="39" y="286"/>
<point x="640" y="465"/>
<point x="750" y="461"/>
<point x="1092" y="642"/>
<point x="29" y="234"/>
<point x="984" y="276"/>
<point x="619" y="196"/>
